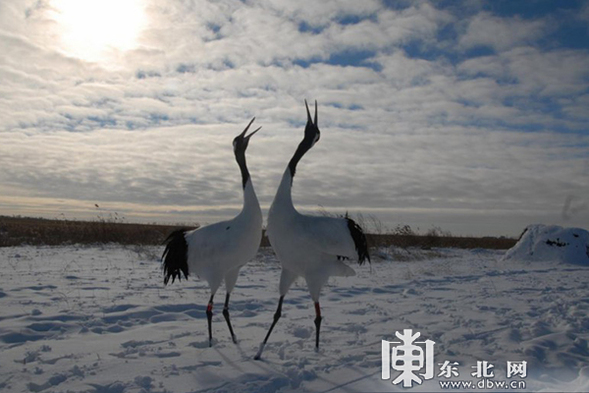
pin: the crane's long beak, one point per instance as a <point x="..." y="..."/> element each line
<point x="250" y="135"/>
<point x="309" y="119"/>
<point x="242" y="135"/>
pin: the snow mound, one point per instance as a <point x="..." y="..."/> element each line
<point x="551" y="243"/>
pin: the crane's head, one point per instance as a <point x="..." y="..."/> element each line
<point x="312" y="133"/>
<point x="241" y="141"/>
<point x="239" y="146"/>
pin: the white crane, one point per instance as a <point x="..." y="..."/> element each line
<point x="216" y="252"/>
<point x="311" y="247"/>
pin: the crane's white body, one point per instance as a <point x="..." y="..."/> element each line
<point x="218" y="251"/>
<point x="311" y="247"/>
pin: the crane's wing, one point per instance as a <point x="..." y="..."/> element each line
<point x="340" y="237"/>
<point x="207" y="242"/>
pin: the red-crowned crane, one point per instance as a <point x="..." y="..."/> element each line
<point x="311" y="247"/>
<point x="216" y="252"/>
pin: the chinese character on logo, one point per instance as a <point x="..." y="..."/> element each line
<point x="483" y="370"/>
<point x="517" y="368"/>
<point x="408" y="358"/>
<point x="448" y="370"/>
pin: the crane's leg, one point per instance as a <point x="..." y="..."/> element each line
<point x="226" y="315"/>
<point x="317" y="324"/>
<point x="210" y="319"/>
<point x="277" y="316"/>
<point x="315" y="282"/>
<point x="286" y="279"/>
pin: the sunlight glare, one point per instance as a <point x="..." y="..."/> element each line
<point x="94" y="30"/>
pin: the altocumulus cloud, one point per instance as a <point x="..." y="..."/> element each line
<point x="471" y="116"/>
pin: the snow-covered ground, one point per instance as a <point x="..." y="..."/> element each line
<point x="98" y="319"/>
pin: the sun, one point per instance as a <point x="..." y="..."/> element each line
<point x="98" y="30"/>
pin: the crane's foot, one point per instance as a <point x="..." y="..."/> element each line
<point x="277" y="316"/>
<point x="228" y="320"/>
<point x="259" y="354"/>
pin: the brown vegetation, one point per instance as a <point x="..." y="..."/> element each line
<point x="16" y="231"/>
<point x="430" y="241"/>
<point x="404" y="236"/>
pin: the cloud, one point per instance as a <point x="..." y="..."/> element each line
<point x="419" y="124"/>
<point x="502" y="33"/>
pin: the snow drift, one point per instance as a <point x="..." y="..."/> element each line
<point x="551" y="243"/>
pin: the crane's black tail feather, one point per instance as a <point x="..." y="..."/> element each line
<point x="175" y="256"/>
<point x="359" y="241"/>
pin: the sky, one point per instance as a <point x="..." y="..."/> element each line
<point x="467" y="116"/>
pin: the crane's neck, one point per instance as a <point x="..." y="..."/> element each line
<point x="245" y="175"/>
<point x="303" y="147"/>
<point x="250" y="200"/>
<point x="283" y="198"/>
